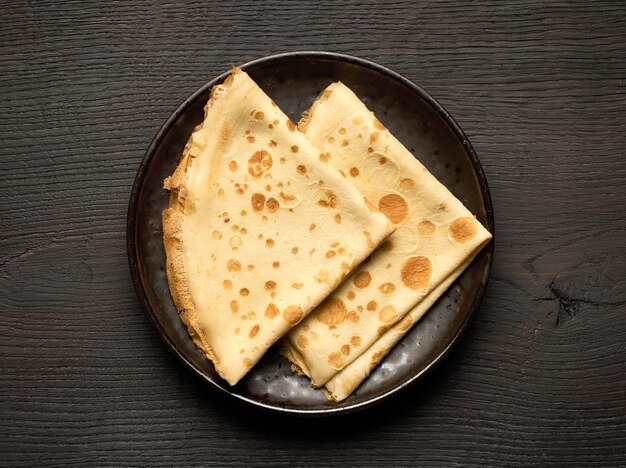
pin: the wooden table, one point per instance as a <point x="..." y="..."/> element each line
<point x="540" y="89"/>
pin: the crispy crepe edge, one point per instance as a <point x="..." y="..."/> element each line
<point x="172" y="239"/>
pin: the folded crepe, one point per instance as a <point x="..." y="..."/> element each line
<point x="435" y="240"/>
<point x="258" y="231"/>
<point x="350" y="377"/>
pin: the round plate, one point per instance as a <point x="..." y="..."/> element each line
<point x="293" y="81"/>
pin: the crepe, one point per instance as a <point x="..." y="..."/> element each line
<point x="436" y="236"/>
<point x="258" y="231"/>
<point x="350" y="377"/>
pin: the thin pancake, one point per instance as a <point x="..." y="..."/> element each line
<point x="349" y="378"/>
<point x="259" y="231"/>
<point x="436" y="235"/>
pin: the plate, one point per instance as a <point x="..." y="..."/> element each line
<point x="293" y="81"/>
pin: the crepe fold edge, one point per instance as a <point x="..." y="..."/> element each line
<point x="172" y="218"/>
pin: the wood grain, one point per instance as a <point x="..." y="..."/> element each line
<point x="540" y="378"/>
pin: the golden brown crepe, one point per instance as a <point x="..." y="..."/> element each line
<point x="258" y="231"/>
<point x="436" y="236"/>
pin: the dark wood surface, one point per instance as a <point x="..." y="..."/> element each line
<point x="540" y="89"/>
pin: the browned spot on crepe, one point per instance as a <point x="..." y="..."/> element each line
<point x="357" y="121"/>
<point x="269" y="243"/>
<point x="407" y="184"/>
<point x="259" y="116"/>
<point x="271" y="310"/>
<point x="312" y="227"/>
<point x="232" y="166"/>
<point x="301" y="169"/>
<point x="258" y="201"/>
<point x="362" y="279"/>
<point x="285" y="197"/>
<point x="324" y="157"/>
<point x="355" y="341"/>
<point x="426" y="228"/>
<point x="276" y="264"/>
<point x="354" y="171"/>
<point x="388" y="314"/>
<point x="330" y="254"/>
<point x="394" y="207"/>
<point x="295" y="250"/>
<point x="345" y="349"/>
<point x="335" y="361"/>
<point x="374" y="137"/>
<point x="372" y="305"/>
<point x="416" y="273"/>
<point x="233" y="265"/>
<point x="302" y="342"/>
<point x="292" y="314"/>
<point x="294" y="149"/>
<point x="216" y="235"/>
<point x="235" y="242"/>
<point x="244" y="291"/>
<point x="228" y="284"/>
<point x="247" y="362"/>
<point x="331" y="312"/>
<point x="463" y="230"/>
<point x="329" y="200"/>
<point x="270" y="285"/>
<point x="254" y="330"/>
<point x="387" y="288"/>
<point x="259" y="163"/>
<point x="234" y="306"/>
<point x="345" y="142"/>
<point x="291" y="126"/>
<point x="351" y="295"/>
<point x="381" y="331"/>
<point x="338" y="218"/>
<point x="272" y="205"/>
<point x="353" y="317"/>
<point x="250" y="139"/>
<point x="378" y="125"/>
<point x="272" y="143"/>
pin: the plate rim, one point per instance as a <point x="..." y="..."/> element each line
<point x="137" y="187"/>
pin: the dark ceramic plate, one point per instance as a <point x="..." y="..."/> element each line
<point x="293" y="81"/>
